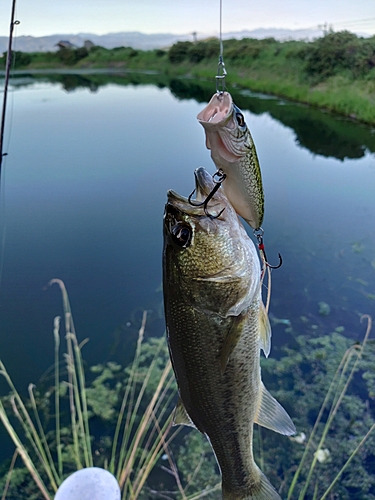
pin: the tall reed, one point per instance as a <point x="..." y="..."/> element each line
<point x="332" y="401"/>
<point x="139" y="440"/>
<point x="137" y="445"/>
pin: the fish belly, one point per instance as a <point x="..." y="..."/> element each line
<point x="221" y="405"/>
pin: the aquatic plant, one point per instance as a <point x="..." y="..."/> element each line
<point x="327" y="384"/>
<point x="142" y="422"/>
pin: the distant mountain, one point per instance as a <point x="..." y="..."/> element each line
<point x="277" y="33"/>
<point x="146" y="42"/>
<point x="129" y="39"/>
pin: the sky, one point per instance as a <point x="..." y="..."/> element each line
<point x="47" y="17"/>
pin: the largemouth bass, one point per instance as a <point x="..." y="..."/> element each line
<point x="216" y="325"/>
<point x="233" y="151"/>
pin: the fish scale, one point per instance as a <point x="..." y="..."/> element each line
<point x="227" y="425"/>
<point x="216" y="325"/>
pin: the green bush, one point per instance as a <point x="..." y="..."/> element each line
<point x="179" y="52"/>
<point x="337" y="52"/>
<point x="69" y="57"/>
<point x="19" y="59"/>
<point x="197" y="52"/>
<point x="243" y="51"/>
<point x="81" y="53"/>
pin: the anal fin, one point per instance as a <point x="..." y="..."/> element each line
<point x="272" y="415"/>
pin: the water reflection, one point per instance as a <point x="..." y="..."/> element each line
<point x="86" y="180"/>
<point x="320" y="132"/>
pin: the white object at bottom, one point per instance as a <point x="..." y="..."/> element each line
<point x="92" y="483"/>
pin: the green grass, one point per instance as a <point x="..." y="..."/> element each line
<point x="141" y="423"/>
<point x="334" y="72"/>
<point x="137" y="444"/>
<point x="140" y="434"/>
<point x="336" y="392"/>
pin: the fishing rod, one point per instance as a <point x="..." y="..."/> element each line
<point x="7" y="72"/>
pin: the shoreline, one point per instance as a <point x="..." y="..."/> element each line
<point x="303" y="95"/>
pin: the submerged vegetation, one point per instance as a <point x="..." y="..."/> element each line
<point x="120" y="419"/>
<point x="335" y="72"/>
<point x="131" y="410"/>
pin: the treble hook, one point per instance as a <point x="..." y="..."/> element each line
<point x="221" y="176"/>
<point x="258" y="233"/>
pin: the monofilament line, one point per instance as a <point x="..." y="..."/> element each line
<point x="221" y="30"/>
<point x="221" y="72"/>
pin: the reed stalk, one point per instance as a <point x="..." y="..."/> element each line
<point x="317" y="422"/>
<point x="329" y="489"/>
<point x="76" y="382"/>
<point x="29" y="464"/>
<point x="12" y="464"/>
<point x="150" y="437"/>
<point x="56" y="335"/>
<point x="24" y="418"/>
<point x="49" y="465"/>
<point x="127" y="467"/>
<point x="127" y="402"/>
<point x="203" y="494"/>
<point x="339" y="386"/>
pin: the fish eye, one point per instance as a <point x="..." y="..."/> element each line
<point x="240" y="119"/>
<point x="181" y="234"/>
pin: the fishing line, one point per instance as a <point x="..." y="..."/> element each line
<point x="221" y="71"/>
<point x="258" y="233"/>
<point x="221" y="29"/>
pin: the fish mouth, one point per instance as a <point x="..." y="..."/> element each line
<point x="204" y="184"/>
<point x="218" y="110"/>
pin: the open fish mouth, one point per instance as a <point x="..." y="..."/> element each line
<point x="218" y="110"/>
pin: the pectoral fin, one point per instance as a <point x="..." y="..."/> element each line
<point x="272" y="415"/>
<point x="265" y="330"/>
<point x="180" y="416"/>
<point x="231" y="340"/>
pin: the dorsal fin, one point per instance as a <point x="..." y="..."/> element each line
<point x="271" y="414"/>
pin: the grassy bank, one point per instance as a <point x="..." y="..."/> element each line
<point x="336" y="72"/>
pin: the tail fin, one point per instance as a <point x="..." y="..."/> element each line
<point x="261" y="490"/>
